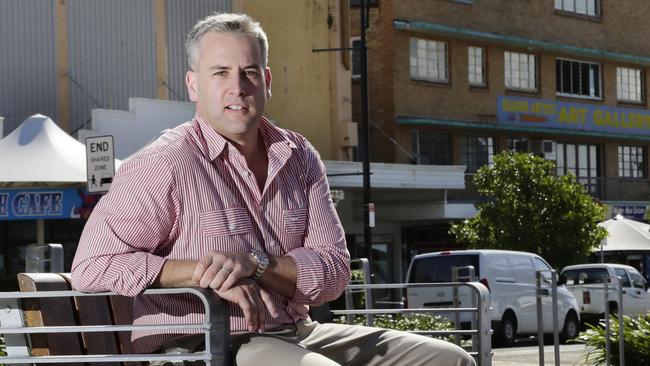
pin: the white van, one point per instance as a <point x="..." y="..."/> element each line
<point x="510" y="277"/>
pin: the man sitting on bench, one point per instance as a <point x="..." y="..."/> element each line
<point x="231" y="202"/>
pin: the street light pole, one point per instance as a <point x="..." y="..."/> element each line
<point x="365" y="137"/>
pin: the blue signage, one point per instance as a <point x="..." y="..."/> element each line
<point x="636" y="212"/>
<point x="46" y="204"/>
<point x="572" y="116"/>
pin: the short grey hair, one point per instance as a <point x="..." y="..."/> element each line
<point x="225" y="23"/>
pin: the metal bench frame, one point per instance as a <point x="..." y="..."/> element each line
<point x="216" y="327"/>
<point x="480" y="328"/>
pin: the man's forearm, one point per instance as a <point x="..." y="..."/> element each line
<point x="281" y="275"/>
<point x="176" y="273"/>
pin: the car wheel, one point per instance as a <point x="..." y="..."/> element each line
<point x="571" y="328"/>
<point x="507" y="332"/>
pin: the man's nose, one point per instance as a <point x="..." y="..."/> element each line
<point x="238" y="84"/>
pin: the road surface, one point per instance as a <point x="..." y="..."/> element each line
<point x="570" y="354"/>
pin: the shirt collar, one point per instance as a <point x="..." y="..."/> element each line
<point x="275" y="139"/>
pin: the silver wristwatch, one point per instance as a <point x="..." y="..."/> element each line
<point x="262" y="262"/>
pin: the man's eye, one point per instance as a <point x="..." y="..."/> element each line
<point x="220" y="73"/>
<point x="252" y="74"/>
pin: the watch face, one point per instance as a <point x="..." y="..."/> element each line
<point x="263" y="258"/>
<point x="262" y="262"/>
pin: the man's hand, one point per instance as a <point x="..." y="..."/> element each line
<point x="221" y="270"/>
<point x="253" y="300"/>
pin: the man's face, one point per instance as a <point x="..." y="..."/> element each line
<point x="230" y="84"/>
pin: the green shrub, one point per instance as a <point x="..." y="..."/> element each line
<point x="414" y="322"/>
<point x="636" y="336"/>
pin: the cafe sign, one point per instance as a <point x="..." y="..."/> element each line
<point x="40" y="204"/>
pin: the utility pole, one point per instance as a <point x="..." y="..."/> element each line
<point x="368" y="207"/>
<point x="364" y="138"/>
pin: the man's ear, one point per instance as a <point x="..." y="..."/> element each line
<point x="192" y="87"/>
<point x="268" y="78"/>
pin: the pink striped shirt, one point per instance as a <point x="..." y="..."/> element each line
<point x="190" y="192"/>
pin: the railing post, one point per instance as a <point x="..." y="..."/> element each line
<point x="540" y="316"/>
<point x="556" y="332"/>
<point x="475" y="300"/>
<point x="455" y="302"/>
<point x="621" y="340"/>
<point x="349" y="305"/>
<point x="365" y="265"/>
<point x="484" y="328"/>
<point x="608" y="341"/>
<point x="219" y="333"/>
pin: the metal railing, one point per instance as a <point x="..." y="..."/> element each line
<point x="216" y="326"/>
<point x="481" y="346"/>
<point x="619" y="306"/>
<point x="539" y="294"/>
<point x="603" y="188"/>
<point x="364" y="265"/>
<point x="542" y="291"/>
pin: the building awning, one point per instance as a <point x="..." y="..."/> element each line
<point x="517" y="41"/>
<point x="347" y="174"/>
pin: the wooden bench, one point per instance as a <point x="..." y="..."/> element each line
<point x="59" y="325"/>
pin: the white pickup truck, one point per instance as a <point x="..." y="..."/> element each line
<point x="586" y="282"/>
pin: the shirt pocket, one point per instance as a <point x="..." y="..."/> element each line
<point x="295" y="221"/>
<point x="226" y="222"/>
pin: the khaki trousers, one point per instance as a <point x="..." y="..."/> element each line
<point x="310" y="343"/>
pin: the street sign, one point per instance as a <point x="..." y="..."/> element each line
<point x="100" y="163"/>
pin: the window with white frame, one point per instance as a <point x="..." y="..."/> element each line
<point x="629" y="84"/>
<point x="476" y="65"/>
<point x="520" y="71"/>
<point x="476" y="151"/>
<point x="584" y="7"/>
<point x="581" y="160"/>
<point x="429" y="60"/>
<point x="631" y="161"/>
<point x="577" y="79"/>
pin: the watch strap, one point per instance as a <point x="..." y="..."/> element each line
<point x="262" y="263"/>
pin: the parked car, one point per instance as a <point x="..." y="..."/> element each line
<point x="586" y="282"/>
<point x="510" y="278"/>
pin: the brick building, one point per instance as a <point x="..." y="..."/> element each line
<point x="452" y="82"/>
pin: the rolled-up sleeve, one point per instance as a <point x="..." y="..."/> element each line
<point x="139" y="215"/>
<point x="323" y="263"/>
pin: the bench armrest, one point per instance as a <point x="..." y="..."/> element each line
<point x="216" y="327"/>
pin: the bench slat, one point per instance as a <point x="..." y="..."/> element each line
<point x="99" y="311"/>
<point x="123" y="315"/>
<point x="49" y="344"/>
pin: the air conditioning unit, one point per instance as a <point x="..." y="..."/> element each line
<point x="544" y="148"/>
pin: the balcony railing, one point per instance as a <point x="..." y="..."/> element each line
<point x="602" y="188"/>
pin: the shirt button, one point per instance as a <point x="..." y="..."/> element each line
<point x="232" y="226"/>
<point x="247" y="173"/>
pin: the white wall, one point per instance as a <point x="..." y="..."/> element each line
<point x="141" y="124"/>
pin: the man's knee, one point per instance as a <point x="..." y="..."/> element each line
<point x="431" y="351"/>
<point x="259" y="350"/>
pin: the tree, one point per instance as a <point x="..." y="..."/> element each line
<point x="527" y="208"/>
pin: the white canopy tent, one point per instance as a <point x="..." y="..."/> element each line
<point x="40" y="154"/>
<point x="627" y="240"/>
<point x="625" y="235"/>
